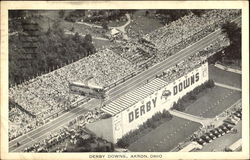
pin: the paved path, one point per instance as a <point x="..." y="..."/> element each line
<point x="228" y="69"/>
<point x="227" y="86"/>
<point x="121" y="28"/>
<point x="90" y="25"/>
<point x="201" y="120"/>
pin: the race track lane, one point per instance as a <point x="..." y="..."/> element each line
<point x="159" y="68"/>
<point x="141" y="78"/>
<point x="42" y="132"/>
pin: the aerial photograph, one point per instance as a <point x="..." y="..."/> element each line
<point x="124" y="80"/>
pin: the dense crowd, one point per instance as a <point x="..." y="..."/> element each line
<point x="136" y="51"/>
<point x="73" y="132"/>
<point x="187" y="26"/>
<point x="49" y="93"/>
<point x="19" y="122"/>
<point x="194" y="61"/>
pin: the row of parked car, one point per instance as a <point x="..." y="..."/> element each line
<point x="223" y="129"/>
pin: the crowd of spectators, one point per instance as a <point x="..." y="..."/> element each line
<point x="137" y="51"/>
<point x="73" y="132"/>
<point x="182" y="29"/>
<point x="49" y="93"/>
<point x="19" y="122"/>
<point x="194" y="61"/>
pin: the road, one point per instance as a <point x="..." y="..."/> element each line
<point x="121" y="28"/>
<point x="43" y="131"/>
<point x="141" y="78"/>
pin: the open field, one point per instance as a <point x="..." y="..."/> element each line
<point x="213" y="102"/>
<point x="217" y="99"/>
<point x="166" y="136"/>
<point x="142" y="23"/>
<point x="100" y="44"/>
<point x="225" y="77"/>
<point x="210" y="102"/>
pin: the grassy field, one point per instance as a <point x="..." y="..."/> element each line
<point x="213" y="102"/>
<point x="209" y="103"/>
<point x="165" y="137"/>
<point x="216" y="100"/>
<point x="225" y="77"/>
<point x="102" y="44"/>
<point x="142" y="23"/>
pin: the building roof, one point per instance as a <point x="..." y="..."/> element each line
<point x="114" y="31"/>
<point x="133" y="97"/>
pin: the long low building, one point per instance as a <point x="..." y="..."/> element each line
<point x="132" y="109"/>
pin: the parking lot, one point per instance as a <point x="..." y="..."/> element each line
<point x="219" y="144"/>
<point x="209" y="104"/>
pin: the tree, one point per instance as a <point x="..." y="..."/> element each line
<point x="77" y="37"/>
<point x="88" y="38"/>
<point x="198" y="12"/>
<point x="105" y="25"/>
<point x="233" y="32"/>
<point x="168" y="15"/>
<point x="61" y="13"/>
<point x="17" y="13"/>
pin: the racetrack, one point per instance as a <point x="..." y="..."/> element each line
<point x="43" y="131"/>
<point x="142" y="78"/>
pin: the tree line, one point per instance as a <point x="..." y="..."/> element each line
<point x="51" y="49"/>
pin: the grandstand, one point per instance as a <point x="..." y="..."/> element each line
<point x="130" y="84"/>
<point x="135" y="107"/>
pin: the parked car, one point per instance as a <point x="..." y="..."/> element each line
<point x="220" y="131"/>
<point x="206" y="138"/>
<point x="237" y="115"/>
<point x="229" y="121"/>
<point x="216" y="133"/>
<point x="228" y="126"/>
<point x="223" y="128"/>
<point x="235" y="119"/>
<point x="239" y="110"/>
<point x="200" y="141"/>
<point x="209" y="134"/>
